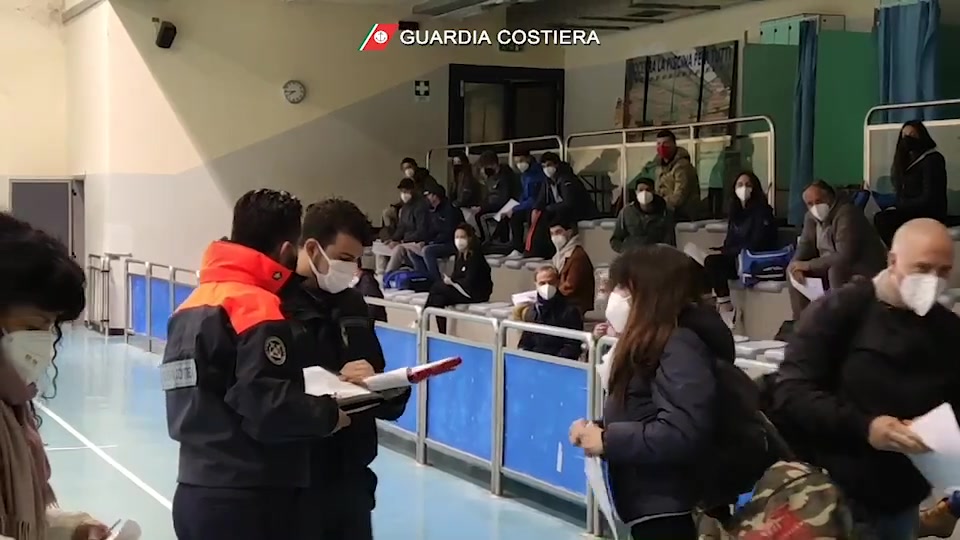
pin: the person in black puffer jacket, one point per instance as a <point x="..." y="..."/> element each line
<point x="659" y="417"/>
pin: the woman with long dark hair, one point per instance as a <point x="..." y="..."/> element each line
<point x="41" y="288"/>
<point x="659" y="412"/>
<point x="919" y="176"/>
<point x="750" y="226"/>
<point x="470" y="283"/>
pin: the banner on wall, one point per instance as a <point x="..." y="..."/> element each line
<point x="681" y="87"/>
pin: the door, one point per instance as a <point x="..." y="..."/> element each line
<point x="46" y="205"/>
<point x="496" y="103"/>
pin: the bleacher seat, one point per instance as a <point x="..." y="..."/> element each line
<point x="740" y="339"/>
<point x="418" y="299"/>
<point x="774" y="356"/>
<point x="755" y="368"/>
<point x="762" y="308"/>
<point x="608" y="224"/>
<point x="495" y="262"/>
<point x="717" y="227"/>
<point x="754" y="349"/>
<point x="533" y="264"/>
<point x="589" y="224"/>
<point x="484" y="308"/>
<point x="955" y="233"/>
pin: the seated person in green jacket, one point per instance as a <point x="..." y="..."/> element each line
<point x="644" y="222"/>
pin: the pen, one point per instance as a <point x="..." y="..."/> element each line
<point x="114" y="526"/>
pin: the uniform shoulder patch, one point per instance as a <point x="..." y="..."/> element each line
<point x="178" y="374"/>
<point x="275" y="350"/>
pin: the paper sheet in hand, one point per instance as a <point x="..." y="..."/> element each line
<point x="129" y="531"/>
<point x="939" y="431"/>
<point x="449" y="281"/>
<point x="695" y="253"/>
<point x="511" y="204"/>
<point x="413" y="247"/>
<point x="379" y="248"/>
<point x="529" y="297"/>
<point x="598" y="485"/>
<point x="811" y="287"/>
<point x="350" y="397"/>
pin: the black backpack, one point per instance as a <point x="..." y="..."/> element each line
<point x="741" y="450"/>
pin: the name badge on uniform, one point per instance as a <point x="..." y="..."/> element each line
<point x="179" y="374"/>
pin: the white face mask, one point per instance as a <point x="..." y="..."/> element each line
<point x="820" y="211"/>
<point x="559" y="241"/>
<point x="618" y="311"/>
<point x="921" y="291"/>
<point x="549" y="171"/>
<point x="522" y="166"/>
<point x="546" y="291"/>
<point x="461" y="243"/>
<point x="604" y="368"/>
<point x="743" y="193"/>
<point x="354" y="281"/>
<point x="339" y="276"/>
<point x="405" y="197"/>
<point x="409" y="172"/>
<point x="30" y="352"/>
<point x="644" y="197"/>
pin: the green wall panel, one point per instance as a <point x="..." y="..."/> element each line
<point x="847" y="87"/>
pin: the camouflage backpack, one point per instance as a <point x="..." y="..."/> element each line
<point x="794" y="501"/>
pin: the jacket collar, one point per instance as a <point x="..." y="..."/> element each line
<point x="227" y="261"/>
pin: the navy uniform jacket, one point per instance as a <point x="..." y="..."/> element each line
<point x="343" y="331"/>
<point x="233" y="377"/>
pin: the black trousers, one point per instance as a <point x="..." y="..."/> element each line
<point x="518" y="222"/>
<point x="201" y="513"/>
<point x="666" y="528"/>
<point x="888" y="221"/>
<point x="720" y="270"/>
<point x="443" y="295"/>
<point x="338" y="515"/>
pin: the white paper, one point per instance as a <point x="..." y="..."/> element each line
<point x="695" y="253"/>
<point x="320" y="382"/>
<point x="528" y="297"/>
<point x="939" y="431"/>
<point x="470" y="216"/>
<point x="511" y="204"/>
<point x="129" y="531"/>
<point x="598" y="485"/>
<point x="396" y="378"/>
<point x="382" y="249"/>
<point x="811" y="287"/>
<point x="413" y="247"/>
<point x="449" y="281"/>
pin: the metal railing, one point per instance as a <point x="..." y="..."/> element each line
<point x="419" y="434"/>
<point x="98" y="294"/>
<point x="510" y="144"/>
<point x="691" y="143"/>
<point x="154" y="340"/>
<point x="886" y="135"/>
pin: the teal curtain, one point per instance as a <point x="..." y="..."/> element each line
<point x="804" y="104"/>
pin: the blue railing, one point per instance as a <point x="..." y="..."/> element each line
<point x="506" y="410"/>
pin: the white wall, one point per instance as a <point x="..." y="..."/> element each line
<point x="32" y="92"/>
<point x="595" y="75"/>
<point x="170" y="138"/>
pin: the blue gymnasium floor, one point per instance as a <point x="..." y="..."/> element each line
<point x="107" y="440"/>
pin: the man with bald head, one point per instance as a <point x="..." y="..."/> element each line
<point x="863" y="362"/>
<point x="836" y="244"/>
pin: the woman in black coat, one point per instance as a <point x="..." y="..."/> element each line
<point x="471" y="275"/>
<point x="750" y="226"/>
<point x="919" y="175"/>
<point x="659" y="414"/>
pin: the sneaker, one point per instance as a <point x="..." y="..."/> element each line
<point x="515" y="255"/>
<point x="937" y="521"/>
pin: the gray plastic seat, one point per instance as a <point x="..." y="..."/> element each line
<point x="534" y="264"/>
<point x="501" y="312"/>
<point x="755" y="368"/>
<point x="589" y="224"/>
<point x="608" y="224"/>
<point x="688" y="227"/>
<point x="495" y="262"/>
<point x="774" y="355"/>
<point x="390" y="294"/>
<point x="460" y="307"/>
<point x="955" y="233"/>
<point x="740" y="339"/>
<point x="753" y="349"/>
<point x="418" y="299"/>
<point x="770" y="286"/>
<point x="716" y="227"/>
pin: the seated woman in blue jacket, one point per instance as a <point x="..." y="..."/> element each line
<point x="470" y="283"/>
<point x="659" y="414"/>
<point x="531" y="179"/>
<point x="750" y="226"/>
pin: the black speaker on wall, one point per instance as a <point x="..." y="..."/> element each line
<point x="166" y="33"/>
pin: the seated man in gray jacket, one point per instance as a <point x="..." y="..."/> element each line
<point x="837" y="243"/>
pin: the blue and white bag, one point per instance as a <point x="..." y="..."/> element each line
<point x="764" y="265"/>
